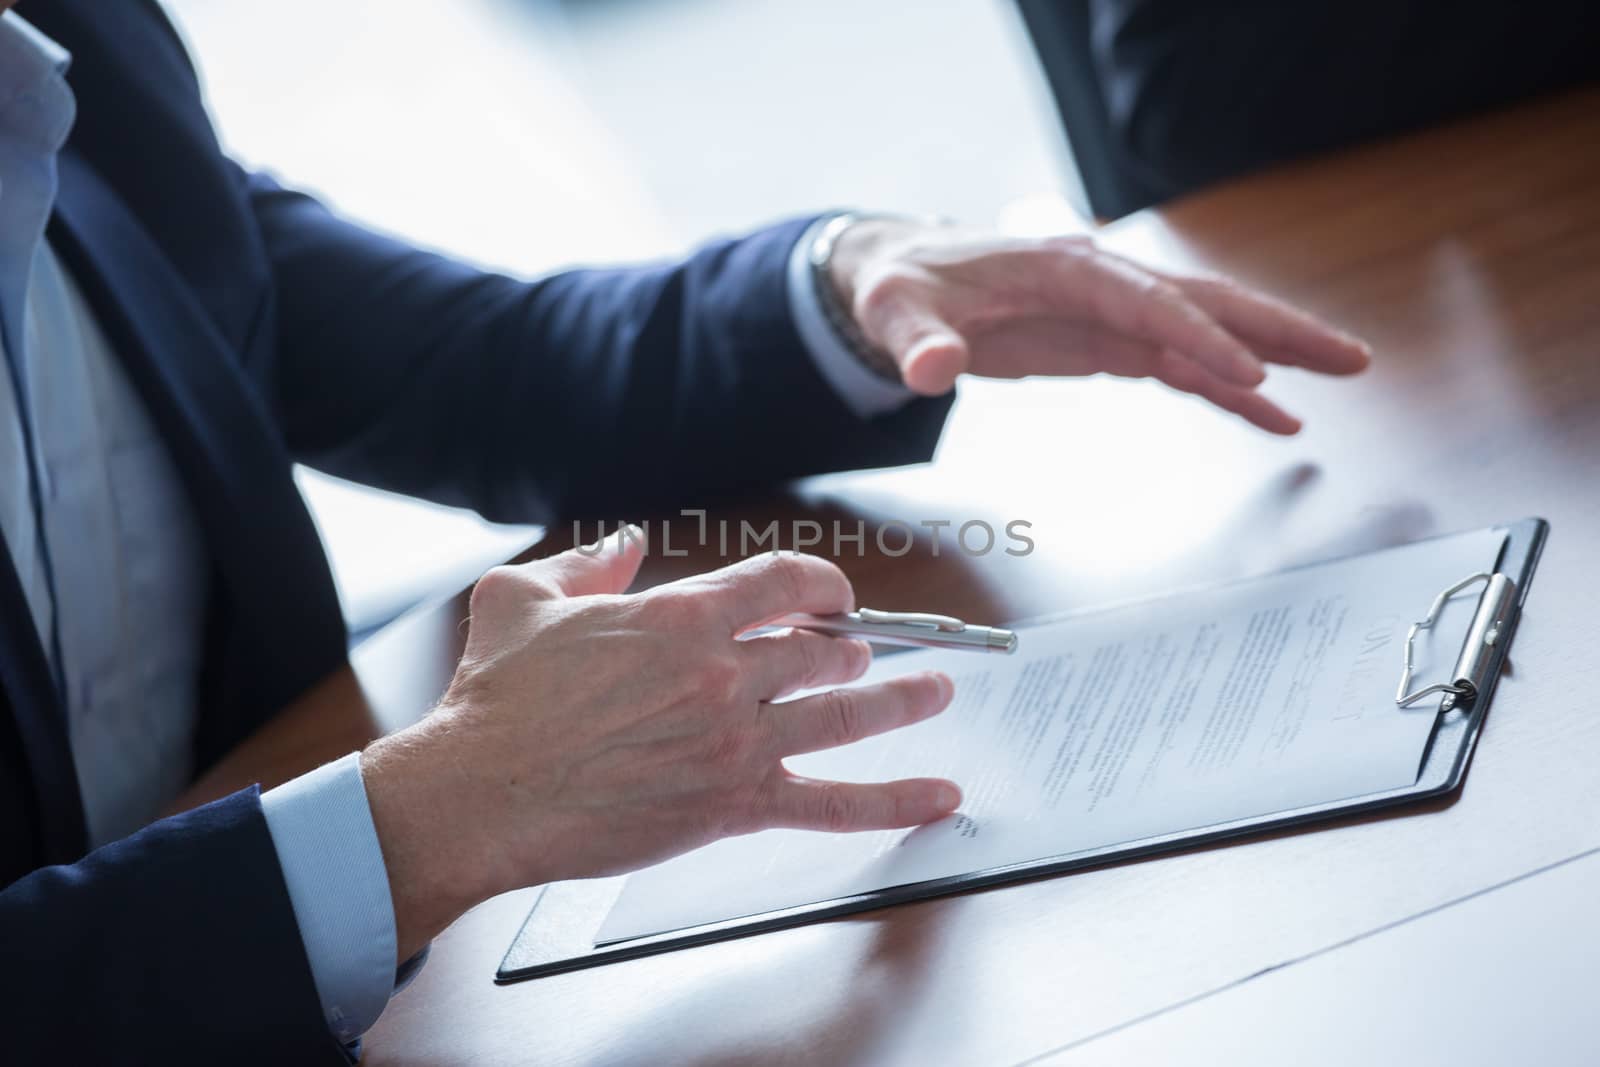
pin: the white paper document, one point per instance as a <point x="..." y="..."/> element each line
<point x="1112" y="726"/>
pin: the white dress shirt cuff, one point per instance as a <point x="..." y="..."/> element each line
<point x="333" y="866"/>
<point x="863" y="392"/>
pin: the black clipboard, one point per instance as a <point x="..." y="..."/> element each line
<point x="558" y="934"/>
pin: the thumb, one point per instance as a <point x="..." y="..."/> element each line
<point x="934" y="361"/>
<point x="931" y="353"/>
<point x="607" y="566"/>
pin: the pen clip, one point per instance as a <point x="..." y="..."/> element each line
<point x="943" y="623"/>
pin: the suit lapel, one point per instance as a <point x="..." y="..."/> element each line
<point x="40" y="732"/>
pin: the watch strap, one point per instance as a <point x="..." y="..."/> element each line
<point x="831" y="302"/>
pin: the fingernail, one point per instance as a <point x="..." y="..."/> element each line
<point x="946" y="687"/>
<point x="947" y="797"/>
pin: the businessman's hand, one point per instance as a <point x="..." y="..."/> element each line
<point x="946" y="301"/>
<point x="588" y="733"/>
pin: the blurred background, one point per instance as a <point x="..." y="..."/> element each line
<point x="612" y="130"/>
<point x="527" y="135"/>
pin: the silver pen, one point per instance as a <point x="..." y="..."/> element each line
<point x="907" y="628"/>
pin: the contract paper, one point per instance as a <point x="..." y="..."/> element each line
<point x="1112" y="726"/>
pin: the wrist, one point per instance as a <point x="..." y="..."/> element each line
<point x="424" y="828"/>
<point x="847" y="248"/>
<point x="861" y="247"/>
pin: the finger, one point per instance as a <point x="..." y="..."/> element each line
<point x="1178" y="371"/>
<point x="931" y="353"/>
<point x="1061" y="348"/>
<point x="1135" y="302"/>
<point x="1042" y="346"/>
<point x="1281" y="332"/>
<point x="840" y="807"/>
<point x="842" y="716"/>
<point x="780" y="663"/>
<point x="757" y="590"/>
<point x="607" y="566"/>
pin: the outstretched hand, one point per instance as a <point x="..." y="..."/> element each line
<point x="946" y="301"/>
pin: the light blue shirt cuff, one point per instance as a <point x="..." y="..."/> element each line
<point x="339" y="887"/>
<point x="863" y="392"/>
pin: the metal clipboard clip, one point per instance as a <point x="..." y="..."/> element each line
<point x="1488" y="630"/>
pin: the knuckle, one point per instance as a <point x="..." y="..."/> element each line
<point x="789" y="574"/>
<point x="731" y="748"/>
<point x="719" y="680"/>
<point x="887" y="290"/>
<point x="858" y="657"/>
<point x="747" y="804"/>
<point x="498" y="587"/>
<point x="834" y="810"/>
<point x="800" y="574"/>
<point x="892" y="282"/>
<point x="752" y="808"/>
<point x="841" y="715"/>
<point x="810" y="664"/>
<point x="785" y="573"/>
<point x="675" y="609"/>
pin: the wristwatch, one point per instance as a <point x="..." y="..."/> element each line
<point x="831" y="301"/>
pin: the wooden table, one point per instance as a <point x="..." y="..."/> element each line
<point x="1470" y="256"/>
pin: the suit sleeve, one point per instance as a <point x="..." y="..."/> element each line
<point x="595" y="392"/>
<point x="1200" y="92"/>
<point x="175" y="945"/>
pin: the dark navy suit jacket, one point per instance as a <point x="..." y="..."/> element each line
<point x="259" y="329"/>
